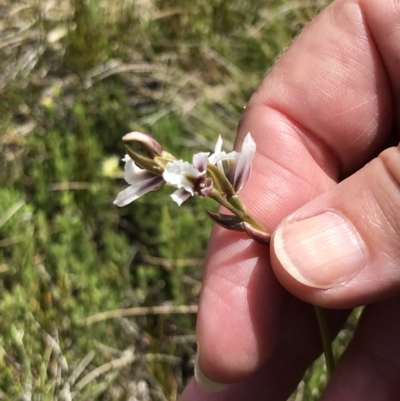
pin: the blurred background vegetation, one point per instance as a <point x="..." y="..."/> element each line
<point x="98" y="302"/>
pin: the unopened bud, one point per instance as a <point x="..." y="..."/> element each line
<point x="144" y="162"/>
<point x="258" y="235"/>
<point x="152" y="147"/>
<point x="228" y="221"/>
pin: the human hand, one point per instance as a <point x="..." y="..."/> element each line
<point x="330" y="105"/>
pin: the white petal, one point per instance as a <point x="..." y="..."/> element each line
<point x="218" y="156"/>
<point x="182" y="174"/>
<point x="215" y="158"/>
<point x="200" y="160"/>
<point x="126" y="196"/>
<point x="134" y="174"/>
<point x="244" y="162"/>
<point x="218" y="145"/>
<point x="217" y="150"/>
<point x="249" y="145"/>
<point x="180" y="195"/>
<point x="137" y="190"/>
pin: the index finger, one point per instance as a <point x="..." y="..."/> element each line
<point x="319" y="115"/>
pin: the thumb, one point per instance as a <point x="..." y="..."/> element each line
<point x="342" y="249"/>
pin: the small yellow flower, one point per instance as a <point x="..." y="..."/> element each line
<point x="110" y="167"/>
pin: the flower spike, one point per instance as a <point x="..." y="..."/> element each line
<point x="219" y="176"/>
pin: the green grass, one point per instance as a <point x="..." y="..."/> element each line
<point x="74" y="78"/>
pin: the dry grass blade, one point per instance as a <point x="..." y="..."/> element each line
<point x="128" y="356"/>
<point x="170" y="264"/>
<point x="81" y="367"/>
<point x="139" y="311"/>
<point x="10" y="212"/>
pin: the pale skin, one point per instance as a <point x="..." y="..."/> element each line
<point x="330" y="105"/>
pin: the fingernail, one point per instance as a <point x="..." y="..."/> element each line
<point x="205" y="382"/>
<point x="321" y="251"/>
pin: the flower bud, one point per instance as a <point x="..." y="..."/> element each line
<point x="144" y="162"/>
<point x="258" y="235"/>
<point x="228" y="221"/>
<point x="152" y="147"/>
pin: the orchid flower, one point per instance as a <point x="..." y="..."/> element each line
<point x="140" y="180"/>
<point x="240" y="166"/>
<point x="188" y="178"/>
<point x="218" y="156"/>
<point x="239" y="163"/>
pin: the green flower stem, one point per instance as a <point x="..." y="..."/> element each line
<point x="326" y="340"/>
<point x="216" y="195"/>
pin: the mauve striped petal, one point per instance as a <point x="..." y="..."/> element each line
<point x="180" y="195"/>
<point x="244" y="162"/>
<point x="139" y="189"/>
<point x="200" y="160"/>
<point x="134" y="174"/>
